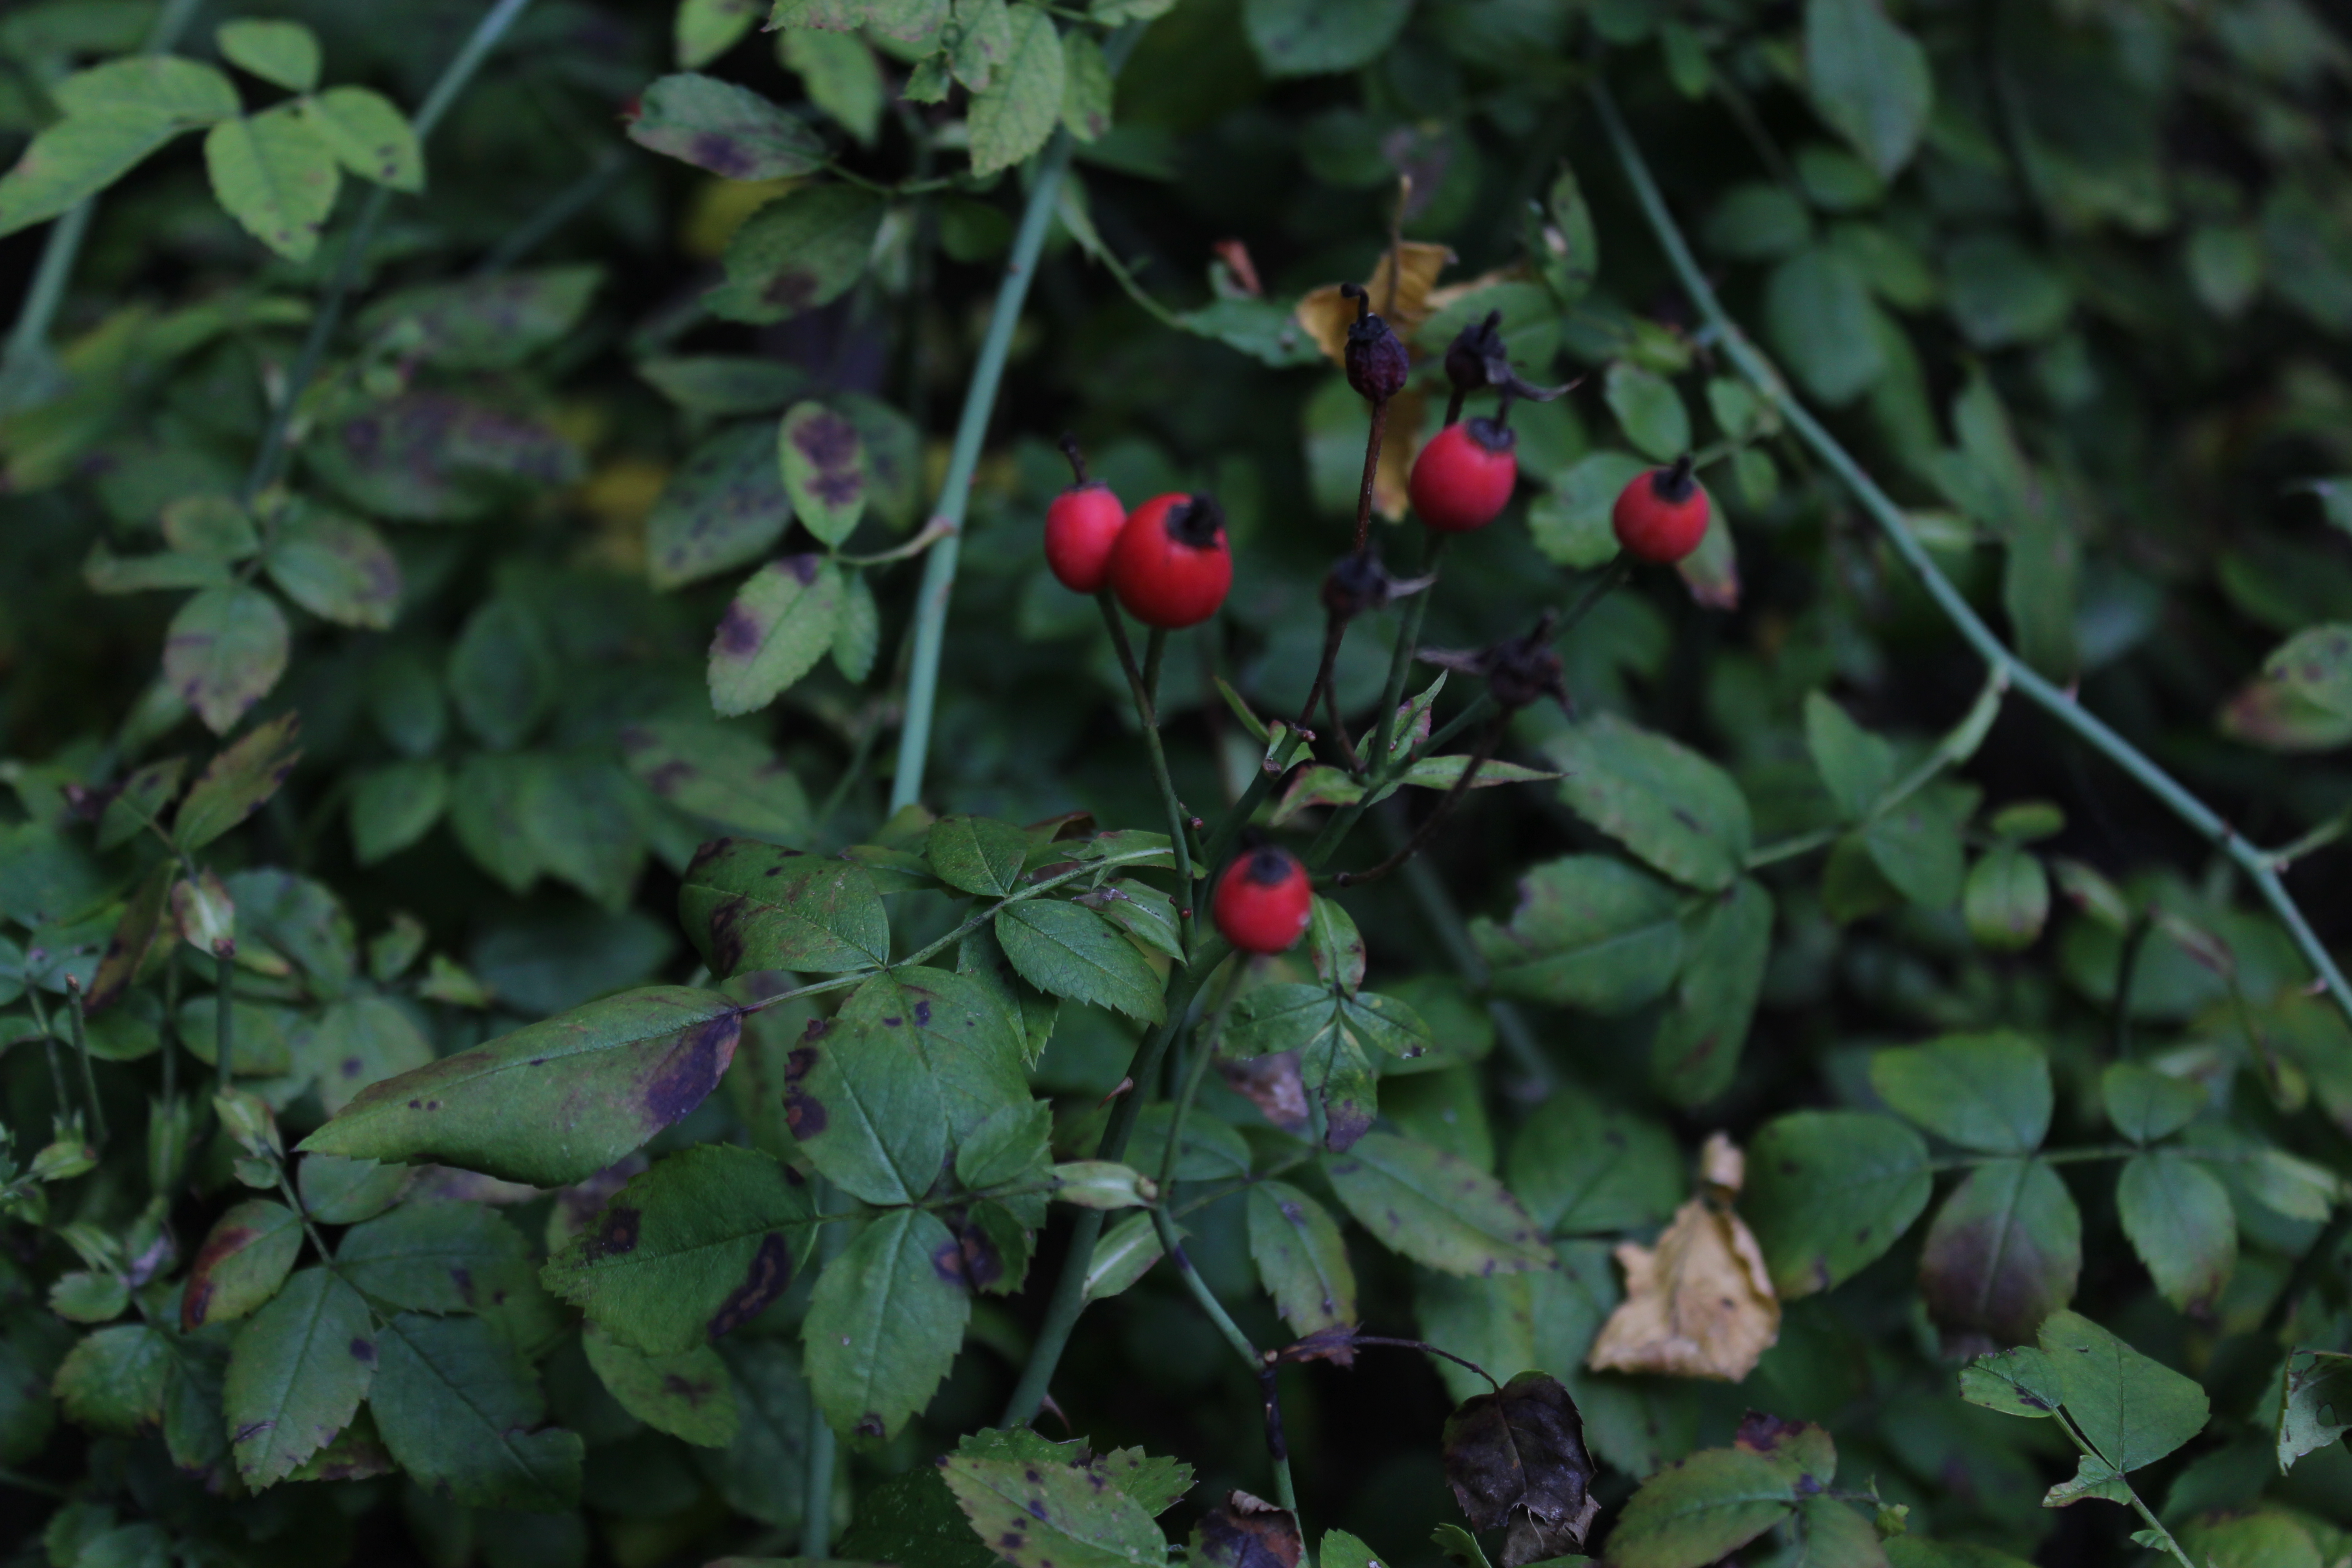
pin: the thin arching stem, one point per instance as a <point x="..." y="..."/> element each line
<point x="2203" y="819"/>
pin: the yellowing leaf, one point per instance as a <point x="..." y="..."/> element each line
<point x="1400" y="294"/>
<point x="1699" y="1304"/>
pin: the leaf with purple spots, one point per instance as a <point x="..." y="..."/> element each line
<point x="782" y="622"/>
<point x="1435" y="1208"/>
<point x="444" y="1257"/>
<point x="689" y="1396"/>
<point x="433" y="457"/>
<point x="296" y="1374"/>
<point x="235" y="783"/>
<point x="689" y="1249"/>
<point x="722" y="774"/>
<point x="276" y="175"/>
<point x="556" y="1101"/>
<point x="728" y="129"/>
<point x="1301" y="1258"/>
<point x="224" y="651"/>
<point x="484" y="323"/>
<point x="359" y="1041"/>
<point x="885" y="1322"/>
<point x="1034" y="1511"/>
<point x="823" y="458"/>
<point x="723" y="507"/>
<point x="747" y="906"/>
<point x="797" y="253"/>
<point x="338" y="569"/>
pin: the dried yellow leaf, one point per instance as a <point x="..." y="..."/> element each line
<point x="1401" y="297"/>
<point x="1699" y="1304"/>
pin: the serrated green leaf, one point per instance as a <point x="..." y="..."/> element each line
<point x="1013" y="117"/>
<point x="276" y="175"/>
<point x="1589" y="931"/>
<point x="113" y="1381"/>
<point x="1069" y="950"/>
<point x="368" y="136"/>
<point x="553" y="1102"/>
<point x="1301" y="1258"/>
<point x="2180" y="1223"/>
<point x="783" y="620"/>
<point x="1434" y="1208"/>
<point x="1988" y="1092"/>
<point x="337" y="568"/>
<point x="688" y="1394"/>
<point x="1696" y="1048"/>
<point x="727" y="130"/>
<point x="1692" y="1513"/>
<point x="2134" y="1411"/>
<point x="1662" y="800"/>
<point x="1869" y="79"/>
<point x="2145" y="1105"/>
<point x="461" y="1411"/>
<point x="1580" y="1165"/>
<point x="748" y="906"/>
<point x="2003" y="1252"/>
<point x="977" y="854"/>
<point x="236" y="782"/>
<point x="296" y="1374"/>
<point x="797" y="253"/>
<point x="245" y="1258"/>
<point x="822" y="459"/>
<point x="224" y="651"/>
<point x="688" y="1251"/>
<point x="885" y="1322"/>
<point x="1041" y="1511"/>
<point x="1829" y="1191"/>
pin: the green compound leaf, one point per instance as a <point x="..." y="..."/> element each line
<point x="1988" y="1092"/>
<point x="1829" y="1192"/>
<point x="555" y="1102"/>
<point x="1434" y="1208"/>
<point x="224" y="651"/>
<point x="884" y="1324"/>
<point x="296" y="1374"/>
<point x="2004" y="1251"/>
<point x="1301" y="1258"/>
<point x="461" y="1410"/>
<point x="750" y="906"/>
<point x="276" y="176"/>
<point x="782" y="622"/>
<point x="2134" y="1411"/>
<point x="688" y="1251"/>
<point x="1588" y="932"/>
<point x="1067" y="949"/>
<point x="1659" y="798"/>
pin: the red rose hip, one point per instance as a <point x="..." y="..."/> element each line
<point x="1081" y="530"/>
<point x="1171" y="567"/>
<point x="1464" y="477"/>
<point x="1262" y="900"/>
<point x="1661" y="515"/>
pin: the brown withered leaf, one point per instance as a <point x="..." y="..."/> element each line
<point x="1325" y="312"/>
<point x="1700" y="1304"/>
<point x="1273" y="1083"/>
<point x="1245" y="1531"/>
<point x="1517" y="1458"/>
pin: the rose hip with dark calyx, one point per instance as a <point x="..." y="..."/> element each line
<point x="1462" y="478"/>
<point x="1082" y="527"/>
<point x="1661" y="515"/>
<point x="1262" y="900"/>
<point x="1171" y="567"/>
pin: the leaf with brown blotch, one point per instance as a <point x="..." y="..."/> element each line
<point x="1700" y="1304"/>
<point x="1517" y="1457"/>
<point x="1325" y="312"/>
<point x="1274" y="1084"/>
<point x="1245" y="1531"/>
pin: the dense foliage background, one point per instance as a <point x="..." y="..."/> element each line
<point x="414" y="548"/>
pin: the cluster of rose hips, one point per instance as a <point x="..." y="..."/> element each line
<point x="1169" y="564"/>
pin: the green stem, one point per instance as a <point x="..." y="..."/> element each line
<point x="2092" y="729"/>
<point x="1143" y="685"/>
<point x="1437" y="908"/>
<point x="89" y="1074"/>
<point x="50" y="1044"/>
<point x="2127" y="963"/>
<point x="824" y="1447"/>
<point x="1376" y="745"/>
<point x="971" y="431"/>
<point x="1788" y="849"/>
<point x="269" y="462"/>
<point x="2155" y="1524"/>
<point x="223" y="1023"/>
<point x="29" y="340"/>
<point x="1069" y="1291"/>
